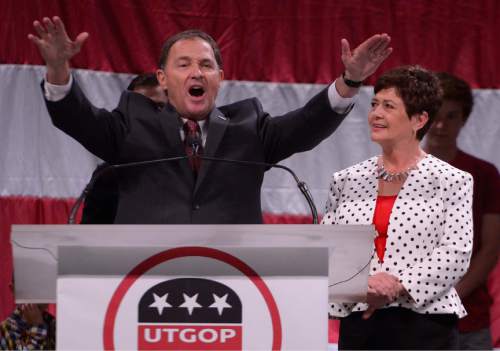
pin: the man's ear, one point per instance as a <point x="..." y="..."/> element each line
<point x="162" y="78"/>
<point x="221" y="73"/>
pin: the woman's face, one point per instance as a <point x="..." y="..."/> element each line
<point x="388" y="120"/>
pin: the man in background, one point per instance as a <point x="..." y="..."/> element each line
<point x="102" y="200"/>
<point x="147" y="84"/>
<point x="441" y="142"/>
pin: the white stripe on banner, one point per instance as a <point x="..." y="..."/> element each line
<point x="39" y="160"/>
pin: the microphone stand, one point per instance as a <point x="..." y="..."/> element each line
<point x="196" y="142"/>
<point x="300" y="184"/>
<point x="304" y="189"/>
<point x="108" y="169"/>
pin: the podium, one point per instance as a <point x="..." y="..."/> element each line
<point x="198" y="287"/>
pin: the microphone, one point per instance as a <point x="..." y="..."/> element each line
<point x="106" y="170"/>
<point x="195" y="142"/>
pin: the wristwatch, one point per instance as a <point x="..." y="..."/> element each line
<point x="351" y="83"/>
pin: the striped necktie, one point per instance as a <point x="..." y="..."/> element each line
<point x="192" y="132"/>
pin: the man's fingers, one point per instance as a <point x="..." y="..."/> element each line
<point x="40" y="30"/>
<point x="369" y="44"/>
<point x="51" y="29"/>
<point x="346" y="50"/>
<point x="58" y="24"/>
<point x="386" y="54"/>
<point x="375" y="47"/>
<point x="372" y="43"/>
<point x="80" y="39"/>
<point x="37" y="41"/>
<point x="381" y="44"/>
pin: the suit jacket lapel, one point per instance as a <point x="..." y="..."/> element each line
<point x="169" y="120"/>
<point x="217" y="124"/>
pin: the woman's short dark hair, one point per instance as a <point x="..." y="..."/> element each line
<point x="457" y="90"/>
<point x="189" y="34"/>
<point x="418" y="88"/>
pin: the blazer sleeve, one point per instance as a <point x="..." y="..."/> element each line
<point x="299" y="130"/>
<point x="436" y="274"/>
<point x="98" y="130"/>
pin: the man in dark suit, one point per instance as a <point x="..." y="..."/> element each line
<point x="191" y="71"/>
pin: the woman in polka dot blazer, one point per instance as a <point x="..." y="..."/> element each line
<point x="422" y="210"/>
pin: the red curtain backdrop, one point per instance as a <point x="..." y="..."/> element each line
<point x="285" y="41"/>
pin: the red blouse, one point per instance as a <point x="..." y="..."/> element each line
<point x="381" y="217"/>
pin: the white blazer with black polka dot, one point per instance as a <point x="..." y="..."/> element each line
<point x="429" y="235"/>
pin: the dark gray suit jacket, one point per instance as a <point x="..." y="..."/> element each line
<point x="169" y="193"/>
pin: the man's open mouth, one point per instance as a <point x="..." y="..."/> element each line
<point x="196" y="91"/>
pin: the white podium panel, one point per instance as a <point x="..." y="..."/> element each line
<point x="192" y="298"/>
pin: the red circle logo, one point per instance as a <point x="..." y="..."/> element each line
<point x="171" y="254"/>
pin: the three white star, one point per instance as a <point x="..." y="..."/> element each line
<point x="160" y="303"/>
<point x="220" y="303"/>
<point x="190" y="303"/>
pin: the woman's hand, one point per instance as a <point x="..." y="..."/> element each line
<point x="383" y="288"/>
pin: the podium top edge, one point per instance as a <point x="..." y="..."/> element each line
<point x="160" y="227"/>
<point x="181" y="235"/>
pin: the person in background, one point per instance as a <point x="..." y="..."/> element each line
<point x="147" y="84"/>
<point x="102" y="200"/>
<point x="29" y="327"/>
<point x="421" y="208"/>
<point x="441" y="141"/>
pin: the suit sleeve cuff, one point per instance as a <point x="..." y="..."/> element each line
<point x="338" y="103"/>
